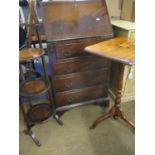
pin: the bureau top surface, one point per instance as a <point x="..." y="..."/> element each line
<point x="119" y="49"/>
<point x="75" y="19"/>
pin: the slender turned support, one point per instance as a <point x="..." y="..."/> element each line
<point x="56" y="117"/>
<point x="116" y="110"/>
<point x="28" y="131"/>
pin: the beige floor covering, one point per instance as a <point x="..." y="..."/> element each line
<point x="75" y="138"/>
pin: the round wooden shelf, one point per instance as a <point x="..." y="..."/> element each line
<point x="29" y="54"/>
<point x="34" y="87"/>
<point x="40" y="112"/>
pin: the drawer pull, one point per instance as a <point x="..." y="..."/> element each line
<point x="70" y="99"/>
<point x="98" y="66"/>
<point x="66" y="69"/>
<point x="85" y="98"/>
<point x="69" y="85"/>
<point x="67" y="54"/>
<point x="85" y="68"/>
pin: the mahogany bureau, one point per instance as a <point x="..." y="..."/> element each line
<point x="78" y="78"/>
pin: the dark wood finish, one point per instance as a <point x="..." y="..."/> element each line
<point x="40" y="113"/>
<point x="121" y="50"/>
<point x="69" y="28"/>
<point x="66" y="107"/>
<point x="81" y="80"/>
<point x="78" y="19"/>
<point x="64" y="51"/>
<point x="37" y="87"/>
<point x="79" y="65"/>
<point x="39" y="27"/>
<point x="79" y="95"/>
<point x="35" y="32"/>
<point x="34" y="87"/>
<point x="29" y="125"/>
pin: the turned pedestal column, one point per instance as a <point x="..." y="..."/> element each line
<point x="116" y="111"/>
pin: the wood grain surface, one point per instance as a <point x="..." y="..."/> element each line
<point x="30" y="54"/>
<point x="119" y="49"/>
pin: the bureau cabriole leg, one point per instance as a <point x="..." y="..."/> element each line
<point x="115" y="111"/>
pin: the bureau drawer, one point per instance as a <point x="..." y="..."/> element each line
<point x="81" y="95"/>
<point x="80" y="65"/>
<point x="64" y="51"/>
<point x="81" y="80"/>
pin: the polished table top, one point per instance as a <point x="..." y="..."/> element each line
<point x="119" y="49"/>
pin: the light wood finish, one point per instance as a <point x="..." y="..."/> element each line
<point x="119" y="49"/>
<point x="122" y="51"/>
<point x="30" y="54"/>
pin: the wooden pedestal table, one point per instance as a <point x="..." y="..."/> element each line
<point x="122" y="50"/>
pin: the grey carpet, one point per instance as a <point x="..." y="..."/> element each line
<point x="111" y="137"/>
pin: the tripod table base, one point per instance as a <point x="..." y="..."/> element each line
<point x="114" y="112"/>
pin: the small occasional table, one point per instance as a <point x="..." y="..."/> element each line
<point x="122" y="50"/>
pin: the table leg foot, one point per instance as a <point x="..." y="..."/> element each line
<point x="57" y="118"/>
<point x="33" y="136"/>
<point x="123" y="117"/>
<point x="102" y="118"/>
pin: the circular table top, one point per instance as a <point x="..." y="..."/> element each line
<point x="40" y="113"/>
<point x="30" y="54"/>
<point x="34" y="87"/>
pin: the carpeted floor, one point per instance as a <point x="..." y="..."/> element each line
<point x="75" y="138"/>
